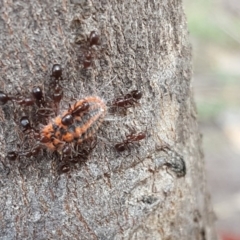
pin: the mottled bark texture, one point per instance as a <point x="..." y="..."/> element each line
<point x="131" y="195"/>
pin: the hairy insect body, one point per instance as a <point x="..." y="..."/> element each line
<point x="79" y="127"/>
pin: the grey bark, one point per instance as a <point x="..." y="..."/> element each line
<point x="133" y="195"/>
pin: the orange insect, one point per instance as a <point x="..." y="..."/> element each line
<point x="78" y="123"/>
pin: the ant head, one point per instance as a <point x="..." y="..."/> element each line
<point x="67" y="119"/>
<point x="37" y="93"/>
<point x="12" y="156"/>
<point x="3" y="98"/>
<point x="136" y="94"/>
<point x="57" y="71"/>
<point x="93" y="38"/>
<point x="25" y="123"/>
<point x="120" y="147"/>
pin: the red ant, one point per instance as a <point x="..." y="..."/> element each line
<point x="128" y="100"/>
<point x="25" y="101"/>
<point x="37" y="92"/>
<point x="22" y="100"/>
<point x="14" y="155"/>
<point x="120" y="147"/>
<point x="74" y="112"/>
<point x="32" y="153"/>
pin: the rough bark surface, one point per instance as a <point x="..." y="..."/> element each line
<point x="144" y="45"/>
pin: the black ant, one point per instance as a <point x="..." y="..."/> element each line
<point x="82" y="151"/>
<point x="25" y="124"/>
<point x="4" y="98"/>
<point x="38" y="95"/>
<point x="27" y="128"/>
<point x="120" y="147"/>
<point x="88" y="56"/>
<point x="88" y="50"/>
<point x="57" y="71"/>
<point x="128" y="100"/>
<point x="57" y="92"/>
<point x="81" y="155"/>
<point x="93" y="38"/>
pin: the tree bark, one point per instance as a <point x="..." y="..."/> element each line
<point x="140" y="193"/>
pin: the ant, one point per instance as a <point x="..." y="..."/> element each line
<point x="82" y="151"/>
<point x="31" y="153"/>
<point x="88" y="57"/>
<point x="38" y="95"/>
<point x="129" y="100"/>
<point x="25" y="124"/>
<point x="82" y="155"/>
<point x="4" y="98"/>
<point x="57" y="92"/>
<point x="14" y="155"/>
<point x="24" y="101"/>
<point x="120" y="147"/>
<point x="56" y="71"/>
<point x="27" y="128"/>
<point x="92" y="40"/>
<point x="74" y="112"/>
